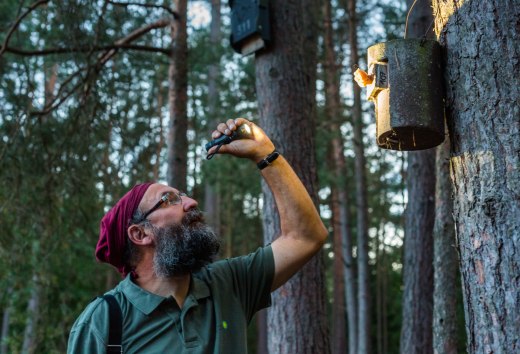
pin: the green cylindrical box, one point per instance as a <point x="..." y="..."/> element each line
<point x="407" y="91"/>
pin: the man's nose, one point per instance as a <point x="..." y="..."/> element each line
<point x="188" y="203"/>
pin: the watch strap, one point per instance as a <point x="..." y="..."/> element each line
<point x="268" y="160"/>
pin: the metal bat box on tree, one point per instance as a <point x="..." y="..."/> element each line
<point x="405" y="82"/>
<point x="250" y="29"/>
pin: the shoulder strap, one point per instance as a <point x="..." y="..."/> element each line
<point x="115" y="323"/>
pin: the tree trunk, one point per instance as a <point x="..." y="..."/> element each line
<point x="361" y="196"/>
<point x="482" y="55"/>
<point x="178" y="98"/>
<point x="416" y="331"/>
<point x="160" y="101"/>
<point x="33" y="313"/>
<point x="286" y="80"/>
<point x="4" y="336"/>
<point x="342" y="268"/>
<point x="445" y="262"/>
<point x="211" y="197"/>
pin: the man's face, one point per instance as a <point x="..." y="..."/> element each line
<point x="184" y="248"/>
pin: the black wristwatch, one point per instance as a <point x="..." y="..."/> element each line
<point x="268" y="160"/>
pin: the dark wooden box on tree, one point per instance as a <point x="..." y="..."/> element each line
<point x="250" y="28"/>
<point x="407" y="90"/>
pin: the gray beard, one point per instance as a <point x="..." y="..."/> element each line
<point x="185" y="248"/>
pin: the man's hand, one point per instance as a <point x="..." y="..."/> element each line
<point x="256" y="148"/>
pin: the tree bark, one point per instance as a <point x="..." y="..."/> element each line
<point x="211" y="197"/>
<point x="33" y="314"/>
<point x="6" y="316"/>
<point x="286" y="80"/>
<point x="481" y="43"/>
<point x="343" y="274"/>
<point x="416" y="331"/>
<point x="160" y="144"/>
<point x="364" y="321"/>
<point x="445" y="263"/>
<point x="178" y="100"/>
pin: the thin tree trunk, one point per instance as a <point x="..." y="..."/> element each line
<point x="211" y="196"/>
<point x="445" y="263"/>
<point x="33" y="314"/>
<point x="286" y="79"/>
<point x="416" y="331"/>
<point x="482" y="58"/>
<point x="4" y="335"/>
<point x="160" y="144"/>
<point x="341" y="272"/>
<point x="379" y="286"/>
<point x="361" y="196"/>
<point x="178" y="100"/>
<point x="384" y="300"/>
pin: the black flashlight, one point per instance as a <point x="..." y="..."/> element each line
<point x="243" y="132"/>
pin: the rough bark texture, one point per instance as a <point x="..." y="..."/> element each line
<point x="178" y="98"/>
<point x="416" y="331"/>
<point x="286" y="79"/>
<point x="363" y="328"/>
<point x="482" y="48"/>
<point x="342" y="267"/>
<point x="445" y="260"/>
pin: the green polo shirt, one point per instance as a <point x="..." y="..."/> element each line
<point x="222" y="299"/>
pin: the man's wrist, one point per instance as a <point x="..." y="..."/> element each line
<point x="269" y="159"/>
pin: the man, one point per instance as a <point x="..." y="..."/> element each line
<point x="173" y="300"/>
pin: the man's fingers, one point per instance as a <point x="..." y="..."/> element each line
<point x="231" y="124"/>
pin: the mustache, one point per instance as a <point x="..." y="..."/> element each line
<point x="192" y="216"/>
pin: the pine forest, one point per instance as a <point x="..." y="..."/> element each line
<point x="423" y="250"/>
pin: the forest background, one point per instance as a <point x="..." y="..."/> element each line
<point x="96" y="96"/>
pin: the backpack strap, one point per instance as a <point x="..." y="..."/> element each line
<point x="115" y="323"/>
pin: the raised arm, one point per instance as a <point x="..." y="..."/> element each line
<point x="302" y="231"/>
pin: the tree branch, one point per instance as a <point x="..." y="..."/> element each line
<point x="168" y="9"/>
<point x="17" y="22"/>
<point x="85" y="49"/>
<point x="102" y="59"/>
<point x="133" y="36"/>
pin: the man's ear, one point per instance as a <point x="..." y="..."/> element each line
<point x="138" y="235"/>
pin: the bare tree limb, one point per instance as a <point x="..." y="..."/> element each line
<point x="84" y="49"/>
<point x="168" y="9"/>
<point x="133" y="36"/>
<point x="93" y="69"/>
<point x="17" y="22"/>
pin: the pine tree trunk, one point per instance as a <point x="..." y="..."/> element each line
<point x="361" y="197"/>
<point x="211" y="197"/>
<point x="160" y="102"/>
<point x="342" y="270"/>
<point x="445" y="262"/>
<point x="286" y="79"/>
<point x="416" y="331"/>
<point x="482" y="60"/>
<point x="178" y="98"/>
<point x="6" y="317"/>
<point x="33" y="314"/>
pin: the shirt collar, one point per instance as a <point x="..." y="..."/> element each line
<point x="147" y="302"/>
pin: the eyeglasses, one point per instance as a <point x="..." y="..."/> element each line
<point x="170" y="198"/>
